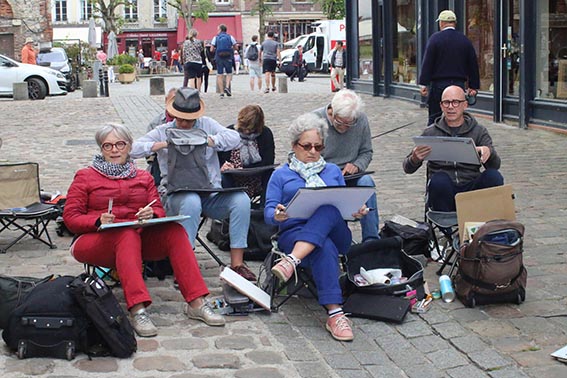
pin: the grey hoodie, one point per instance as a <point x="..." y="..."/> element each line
<point x="459" y="172"/>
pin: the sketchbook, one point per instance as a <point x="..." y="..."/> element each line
<point x="348" y="200"/>
<point x="245" y="287"/>
<point x="143" y="223"/>
<point x="460" y="150"/>
<point x="560" y="354"/>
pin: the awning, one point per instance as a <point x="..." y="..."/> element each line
<point x="207" y="30"/>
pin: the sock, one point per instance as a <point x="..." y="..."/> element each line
<point x="295" y="260"/>
<point x="335" y="312"/>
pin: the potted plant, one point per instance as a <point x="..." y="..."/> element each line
<point x="126" y="73"/>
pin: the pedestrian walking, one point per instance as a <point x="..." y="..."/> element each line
<point x="269" y="59"/>
<point x="338" y="65"/>
<point x="252" y="55"/>
<point x="193" y="57"/>
<point x="223" y="45"/>
<point x="449" y="59"/>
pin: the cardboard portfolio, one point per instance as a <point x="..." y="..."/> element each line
<point x="484" y="205"/>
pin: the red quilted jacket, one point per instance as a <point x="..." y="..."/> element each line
<point x="90" y="191"/>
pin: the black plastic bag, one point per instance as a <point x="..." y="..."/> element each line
<point x="415" y="240"/>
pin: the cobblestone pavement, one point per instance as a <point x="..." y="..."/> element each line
<point x="450" y="340"/>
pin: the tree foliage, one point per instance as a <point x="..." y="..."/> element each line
<point x="189" y="9"/>
<point x="106" y="10"/>
<point x="263" y="10"/>
<point x="333" y="9"/>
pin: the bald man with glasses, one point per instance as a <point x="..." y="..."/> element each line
<point x="447" y="178"/>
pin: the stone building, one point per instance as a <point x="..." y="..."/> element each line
<point x="20" y="20"/>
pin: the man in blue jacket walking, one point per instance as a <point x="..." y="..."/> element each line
<point x="449" y="59"/>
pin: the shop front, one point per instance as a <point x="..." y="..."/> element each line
<point x="149" y="41"/>
<point x="521" y="47"/>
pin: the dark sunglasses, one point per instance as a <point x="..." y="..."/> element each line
<point x="120" y="145"/>
<point x="308" y="147"/>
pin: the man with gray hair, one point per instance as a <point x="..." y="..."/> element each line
<point x="348" y="144"/>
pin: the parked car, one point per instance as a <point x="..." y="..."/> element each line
<point x="56" y="58"/>
<point x="42" y="81"/>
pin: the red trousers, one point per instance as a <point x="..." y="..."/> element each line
<point x="126" y="248"/>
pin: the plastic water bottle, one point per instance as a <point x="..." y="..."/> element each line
<point x="447" y="292"/>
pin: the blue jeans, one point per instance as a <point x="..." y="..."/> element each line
<point x="234" y="205"/>
<point x="330" y="235"/>
<point x="370" y="222"/>
<point x="442" y="189"/>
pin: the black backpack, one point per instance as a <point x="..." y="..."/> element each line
<point x="95" y="298"/>
<point x="48" y="323"/>
<point x="252" y="52"/>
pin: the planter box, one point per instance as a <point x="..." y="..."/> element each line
<point x="126" y="78"/>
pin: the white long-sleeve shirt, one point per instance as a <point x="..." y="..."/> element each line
<point x="224" y="139"/>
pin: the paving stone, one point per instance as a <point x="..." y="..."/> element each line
<point x="413" y="329"/>
<point x="313" y="370"/>
<point x="469" y="343"/>
<point x="424" y="371"/>
<point x="186" y="343"/>
<point x="97" y="365"/>
<point x="235" y="342"/>
<point x="428" y="344"/>
<point x="33" y="367"/>
<point x="469" y="371"/>
<point x="449" y="330"/>
<point x="216" y="361"/>
<point x="508" y="372"/>
<point x="354" y="373"/>
<point x="265" y="357"/>
<point x="341" y="361"/>
<point x="448" y="358"/>
<point x="386" y="371"/>
<point x="206" y="331"/>
<point x="489" y="359"/>
<point x="259" y="372"/>
<point x="159" y="363"/>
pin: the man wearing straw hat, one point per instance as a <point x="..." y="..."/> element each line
<point x="188" y="110"/>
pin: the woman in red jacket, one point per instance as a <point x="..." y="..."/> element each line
<point x="114" y="177"/>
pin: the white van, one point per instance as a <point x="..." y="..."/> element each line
<point x="317" y="45"/>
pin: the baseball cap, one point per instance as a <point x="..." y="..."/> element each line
<point x="447" y="16"/>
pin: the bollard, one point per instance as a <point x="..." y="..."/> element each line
<point x="89" y="88"/>
<point x="105" y="82"/>
<point x="20" y="91"/>
<point x="157" y="86"/>
<point x="282" y="84"/>
<point x="101" y="83"/>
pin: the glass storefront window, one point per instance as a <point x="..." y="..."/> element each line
<point x="365" y="49"/>
<point x="479" y="28"/>
<point x="405" y="42"/>
<point x="551" y="58"/>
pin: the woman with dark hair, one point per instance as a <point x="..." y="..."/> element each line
<point x="256" y="149"/>
<point x="193" y="57"/>
<point x="113" y="190"/>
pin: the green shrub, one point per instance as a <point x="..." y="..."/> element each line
<point x="126" y="68"/>
<point x="121" y="59"/>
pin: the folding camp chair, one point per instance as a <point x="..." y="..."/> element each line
<point x="444" y="223"/>
<point x="20" y="201"/>
<point x="280" y="292"/>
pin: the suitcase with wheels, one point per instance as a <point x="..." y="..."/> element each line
<point x="49" y="323"/>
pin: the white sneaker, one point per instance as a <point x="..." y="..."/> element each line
<point x="142" y="324"/>
<point x="205" y="314"/>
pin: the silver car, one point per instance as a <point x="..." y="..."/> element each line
<point x="42" y="81"/>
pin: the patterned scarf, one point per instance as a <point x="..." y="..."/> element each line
<point x="308" y="171"/>
<point x="114" y="171"/>
<point x="249" y="151"/>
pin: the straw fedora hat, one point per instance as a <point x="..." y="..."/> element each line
<point x="186" y="104"/>
<point x="29" y="40"/>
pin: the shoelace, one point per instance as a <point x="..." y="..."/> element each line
<point x="143" y="319"/>
<point x="207" y="310"/>
<point x="343" y="323"/>
<point x="287" y="260"/>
